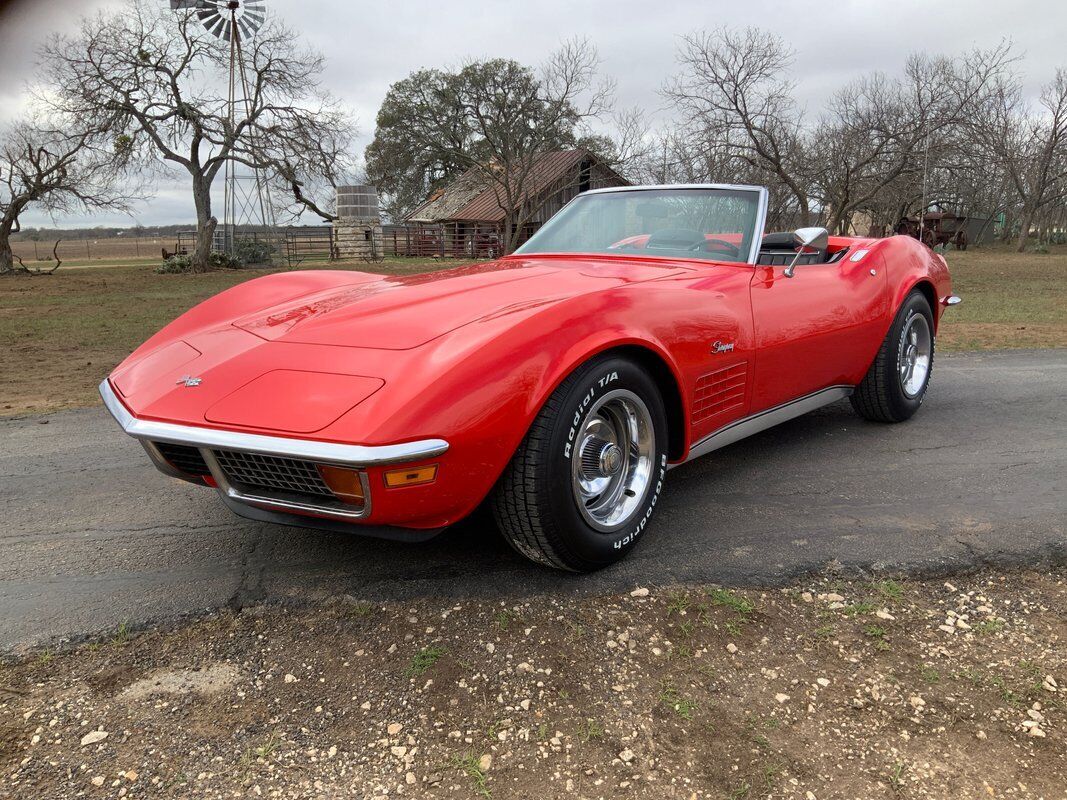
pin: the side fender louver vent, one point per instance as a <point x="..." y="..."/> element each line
<point x="719" y="391"/>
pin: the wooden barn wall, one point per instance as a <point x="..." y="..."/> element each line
<point x="565" y="189"/>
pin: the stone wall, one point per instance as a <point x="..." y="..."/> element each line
<point x="358" y="238"/>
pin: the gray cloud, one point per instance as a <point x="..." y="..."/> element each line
<point x="370" y="45"/>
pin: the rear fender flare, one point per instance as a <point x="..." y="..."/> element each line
<point x="912" y="267"/>
<point x="924" y="285"/>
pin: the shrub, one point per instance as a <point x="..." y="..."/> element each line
<point x="1039" y="248"/>
<point x="175" y="265"/>
<point x="224" y="261"/>
<point x="180" y="264"/>
<point x="252" y="251"/>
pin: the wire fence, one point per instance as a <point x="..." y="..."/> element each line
<point x="119" y="248"/>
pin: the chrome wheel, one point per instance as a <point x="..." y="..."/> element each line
<point x="613" y="459"/>
<point x="914" y="354"/>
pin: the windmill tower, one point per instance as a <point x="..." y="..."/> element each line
<point x="246" y="194"/>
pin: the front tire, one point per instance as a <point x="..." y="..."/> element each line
<point x="895" y="385"/>
<point x="582" y="486"/>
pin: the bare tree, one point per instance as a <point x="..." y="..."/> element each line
<point x="627" y="148"/>
<point x="733" y="91"/>
<point x="57" y="170"/>
<point x="1030" y="147"/>
<point x="160" y="74"/>
<point x="308" y="174"/>
<point x="880" y="130"/>
<point x="494" y="118"/>
<point x="963" y="179"/>
<point x="868" y="151"/>
<point x="516" y="119"/>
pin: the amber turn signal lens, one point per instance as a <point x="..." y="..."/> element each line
<point x="345" y="483"/>
<point x="410" y="477"/>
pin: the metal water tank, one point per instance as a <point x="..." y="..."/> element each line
<point x="357" y="202"/>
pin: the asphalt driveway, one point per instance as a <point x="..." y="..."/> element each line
<point x="93" y="536"/>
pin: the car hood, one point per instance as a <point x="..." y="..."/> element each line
<point x="402" y="312"/>
<point x="338" y="338"/>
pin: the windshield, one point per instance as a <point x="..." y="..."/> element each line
<point x="711" y="224"/>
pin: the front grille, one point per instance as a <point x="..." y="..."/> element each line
<point x="183" y="457"/>
<point x="254" y="470"/>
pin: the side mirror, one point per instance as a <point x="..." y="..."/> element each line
<point x="807" y="238"/>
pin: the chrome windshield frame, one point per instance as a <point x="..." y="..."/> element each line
<point x="762" y="202"/>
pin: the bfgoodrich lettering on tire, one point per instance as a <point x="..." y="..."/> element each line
<point x="895" y="385"/>
<point x="581" y="489"/>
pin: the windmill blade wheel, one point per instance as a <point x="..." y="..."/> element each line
<point x="220" y="16"/>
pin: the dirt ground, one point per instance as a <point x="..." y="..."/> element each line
<point x="63" y="333"/>
<point x="829" y="689"/>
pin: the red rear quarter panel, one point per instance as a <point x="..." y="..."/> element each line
<point x="910" y="263"/>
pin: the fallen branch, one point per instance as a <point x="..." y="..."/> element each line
<point x="55" y="255"/>
<point x="37" y="270"/>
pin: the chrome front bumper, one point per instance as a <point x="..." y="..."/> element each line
<point x="348" y="455"/>
<point x="206" y="440"/>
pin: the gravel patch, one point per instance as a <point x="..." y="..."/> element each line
<point x="830" y="689"/>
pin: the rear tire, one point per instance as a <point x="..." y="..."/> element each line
<point x="895" y="385"/>
<point x="582" y="486"/>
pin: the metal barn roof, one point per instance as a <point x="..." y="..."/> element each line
<point x="444" y="203"/>
<point x="469" y="199"/>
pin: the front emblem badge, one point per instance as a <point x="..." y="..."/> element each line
<point x="722" y="347"/>
<point x="188" y="380"/>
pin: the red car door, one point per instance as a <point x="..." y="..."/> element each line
<point x="817" y="329"/>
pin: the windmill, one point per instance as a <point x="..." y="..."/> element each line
<point x="246" y="199"/>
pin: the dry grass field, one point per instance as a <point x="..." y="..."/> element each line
<point x="63" y="332"/>
<point x="1010" y="300"/>
<point x="128" y="249"/>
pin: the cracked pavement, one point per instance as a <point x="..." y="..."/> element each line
<point x="94" y="536"/>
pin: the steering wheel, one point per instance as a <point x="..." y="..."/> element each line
<point x="675" y="239"/>
<point x="724" y="246"/>
<point x="691" y="241"/>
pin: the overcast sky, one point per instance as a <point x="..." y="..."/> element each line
<point x="369" y="45"/>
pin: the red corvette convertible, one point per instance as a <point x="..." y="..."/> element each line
<point x="638" y="329"/>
